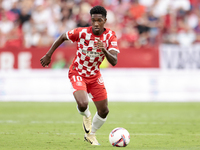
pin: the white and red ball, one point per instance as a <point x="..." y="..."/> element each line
<point x="119" y="137"/>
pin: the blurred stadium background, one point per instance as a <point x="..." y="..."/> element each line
<point x="159" y="42"/>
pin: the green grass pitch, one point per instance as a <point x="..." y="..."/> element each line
<point x="58" y="126"/>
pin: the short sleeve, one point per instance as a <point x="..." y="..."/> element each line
<point x="113" y="43"/>
<point x="73" y="35"/>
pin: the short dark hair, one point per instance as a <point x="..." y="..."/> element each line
<point x="98" y="10"/>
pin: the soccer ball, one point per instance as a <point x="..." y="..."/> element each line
<point x="119" y="137"/>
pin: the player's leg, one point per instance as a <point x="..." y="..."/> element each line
<point x="83" y="108"/>
<point x="82" y="102"/>
<point x="100" y="116"/>
<point x="99" y="96"/>
<point x="98" y="120"/>
<point x="81" y="98"/>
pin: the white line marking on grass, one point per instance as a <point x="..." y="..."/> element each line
<point x="103" y="134"/>
<point x="39" y="122"/>
<point x="142" y="134"/>
<point x="9" y="121"/>
<point x="51" y="122"/>
<point x="159" y="134"/>
<point x="184" y="123"/>
<point x="7" y="133"/>
<point x="79" y="122"/>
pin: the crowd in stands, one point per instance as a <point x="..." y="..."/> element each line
<point x="137" y="23"/>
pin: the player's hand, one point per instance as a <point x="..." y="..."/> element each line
<point x="45" y="60"/>
<point x="100" y="44"/>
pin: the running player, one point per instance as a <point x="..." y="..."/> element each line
<point x="94" y="43"/>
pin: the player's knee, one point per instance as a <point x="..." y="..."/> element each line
<point x="103" y="112"/>
<point x="82" y="106"/>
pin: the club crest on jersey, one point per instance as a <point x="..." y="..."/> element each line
<point x="71" y="32"/>
<point x="79" y="83"/>
<point x="96" y="46"/>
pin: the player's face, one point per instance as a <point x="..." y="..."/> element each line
<point x="98" y="22"/>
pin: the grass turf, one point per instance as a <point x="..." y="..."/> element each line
<point x="57" y="126"/>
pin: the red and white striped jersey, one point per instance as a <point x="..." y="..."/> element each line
<point x="88" y="57"/>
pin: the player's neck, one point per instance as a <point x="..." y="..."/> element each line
<point x="99" y="33"/>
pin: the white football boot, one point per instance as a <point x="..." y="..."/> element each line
<point x="91" y="138"/>
<point x="87" y="124"/>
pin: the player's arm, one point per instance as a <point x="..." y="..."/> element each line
<point x="110" y="55"/>
<point x="46" y="59"/>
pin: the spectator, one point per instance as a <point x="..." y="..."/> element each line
<point x="123" y="6"/>
<point x="195" y="4"/>
<point x="31" y="35"/>
<point x="186" y="36"/>
<point x="9" y="14"/>
<point x="83" y="21"/>
<point x="136" y="10"/>
<point x="45" y="39"/>
<point x="130" y="37"/>
<point x="148" y="21"/>
<point x="24" y="16"/>
<point x="170" y="37"/>
<point x="41" y="17"/>
<point x="15" y="9"/>
<point x="197" y="31"/>
<point x="7" y="4"/>
<point x="192" y="18"/>
<point x="6" y="26"/>
<point x="15" y="37"/>
<point x="143" y="29"/>
<point x="154" y="24"/>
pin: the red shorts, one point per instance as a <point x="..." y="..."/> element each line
<point x="94" y="85"/>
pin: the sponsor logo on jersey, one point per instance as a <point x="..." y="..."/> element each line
<point x="114" y="44"/>
<point x="92" y="54"/>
